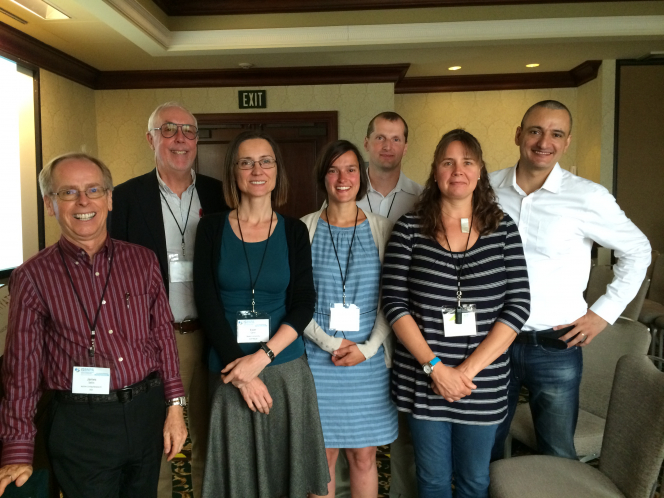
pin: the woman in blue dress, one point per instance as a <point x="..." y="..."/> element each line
<point x="349" y="343"/>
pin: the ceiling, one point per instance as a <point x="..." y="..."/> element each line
<point x="122" y="35"/>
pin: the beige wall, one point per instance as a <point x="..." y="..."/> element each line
<point x="122" y="115"/>
<point x="640" y="170"/>
<point x="594" y="125"/>
<point x="68" y="122"/>
<point x="491" y="116"/>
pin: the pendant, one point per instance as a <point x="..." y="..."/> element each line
<point x="465" y="227"/>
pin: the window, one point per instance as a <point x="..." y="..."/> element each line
<point x="19" y="225"/>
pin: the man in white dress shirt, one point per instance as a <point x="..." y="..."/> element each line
<point x="560" y="216"/>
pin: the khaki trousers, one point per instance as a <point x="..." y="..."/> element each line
<point x="195" y="379"/>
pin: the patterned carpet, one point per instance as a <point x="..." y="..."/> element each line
<point x="182" y="469"/>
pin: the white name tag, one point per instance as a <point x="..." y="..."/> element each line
<point x="181" y="271"/>
<point x="467" y="327"/>
<point x="344" y="318"/>
<point x="253" y="326"/>
<point x="91" y="380"/>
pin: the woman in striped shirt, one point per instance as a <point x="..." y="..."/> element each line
<point x="455" y="290"/>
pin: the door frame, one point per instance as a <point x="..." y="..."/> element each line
<point x="330" y="118"/>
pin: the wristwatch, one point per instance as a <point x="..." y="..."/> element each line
<point x="180" y="401"/>
<point x="268" y="351"/>
<point x="428" y="367"/>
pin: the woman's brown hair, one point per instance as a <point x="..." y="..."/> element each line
<point x="487" y="215"/>
<point x="330" y="153"/>
<point x="232" y="194"/>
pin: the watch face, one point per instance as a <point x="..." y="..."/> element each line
<point x="427" y="368"/>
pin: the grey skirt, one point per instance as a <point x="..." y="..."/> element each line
<point x="267" y="456"/>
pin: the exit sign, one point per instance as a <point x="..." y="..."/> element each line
<point x="252" y="99"/>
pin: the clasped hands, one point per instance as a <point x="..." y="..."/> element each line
<point x="451" y="383"/>
<point x="347" y="355"/>
<point x="243" y="374"/>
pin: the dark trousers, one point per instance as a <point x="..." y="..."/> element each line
<point x="553" y="377"/>
<point x="107" y="450"/>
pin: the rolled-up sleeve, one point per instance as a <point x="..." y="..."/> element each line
<point x="516" y="308"/>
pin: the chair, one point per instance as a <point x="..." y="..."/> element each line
<point x="599" y="363"/>
<point x="632" y="451"/>
<point x="601" y="276"/>
<point x="653" y="307"/>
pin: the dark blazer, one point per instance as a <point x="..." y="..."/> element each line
<point x="137" y="216"/>
<point x="300" y="294"/>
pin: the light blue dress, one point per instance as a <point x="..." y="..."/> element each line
<point x="354" y="402"/>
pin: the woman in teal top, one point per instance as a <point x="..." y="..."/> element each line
<point x="254" y="292"/>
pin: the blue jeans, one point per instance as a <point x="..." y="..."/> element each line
<point x="552" y="376"/>
<point x="445" y="448"/>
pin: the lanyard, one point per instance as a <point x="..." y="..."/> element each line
<point x="176" y="220"/>
<point x="252" y="282"/>
<point x="92" y="325"/>
<point x="343" y="279"/>
<point x="459" y="270"/>
<point x="389" y="210"/>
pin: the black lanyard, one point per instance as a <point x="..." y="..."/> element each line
<point x="176" y="220"/>
<point x="252" y="282"/>
<point x="389" y="210"/>
<point x="343" y="279"/>
<point x="458" y="313"/>
<point x="92" y="325"/>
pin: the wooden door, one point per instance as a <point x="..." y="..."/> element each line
<point x="300" y="136"/>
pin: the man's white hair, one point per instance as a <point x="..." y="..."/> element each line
<point x="168" y="105"/>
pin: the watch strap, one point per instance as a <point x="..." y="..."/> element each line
<point x="268" y="351"/>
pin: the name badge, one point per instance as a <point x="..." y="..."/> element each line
<point x="181" y="271"/>
<point x="91" y="380"/>
<point x="344" y="317"/>
<point x="467" y="327"/>
<point x="253" y="326"/>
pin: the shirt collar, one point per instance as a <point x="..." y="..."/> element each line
<point x="552" y="183"/>
<point x="404" y="184"/>
<point x="167" y="189"/>
<point x="77" y="252"/>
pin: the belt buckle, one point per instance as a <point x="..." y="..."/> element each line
<point x="125" y="395"/>
<point x="184" y="322"/>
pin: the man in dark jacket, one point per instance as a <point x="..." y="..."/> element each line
<point x="160" y="210"/>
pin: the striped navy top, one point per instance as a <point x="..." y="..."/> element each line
<point x="419" y="278"/>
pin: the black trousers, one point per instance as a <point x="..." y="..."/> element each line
<point x="107" y="450"/>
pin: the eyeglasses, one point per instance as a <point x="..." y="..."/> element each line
<point x="265" y="163"/>
<point x="169" y="130"/>
<point x="71" y="194"/>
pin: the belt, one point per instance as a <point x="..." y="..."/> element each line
<point x="124" y="395"/>
<point x="187" y="326"/>
<point x="548" y="337"/>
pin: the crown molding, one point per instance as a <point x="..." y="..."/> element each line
<point x="258" y="77"/>
<point x="35" y="54"/>
<point x="229" y="7"/>
<point x="575" y="77"/>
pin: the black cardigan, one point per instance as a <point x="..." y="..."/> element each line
<point x="300" y="295"/>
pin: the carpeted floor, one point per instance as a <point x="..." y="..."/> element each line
<point x="182" y="469"/>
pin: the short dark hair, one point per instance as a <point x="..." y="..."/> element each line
<point x="388" y="116"/>
<point x="549" y="104"/>
<point x="46" y="174"/>
<point x="330" y="153"/>
<point x="486" y="212"/>
<point x="232" y="194"/>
